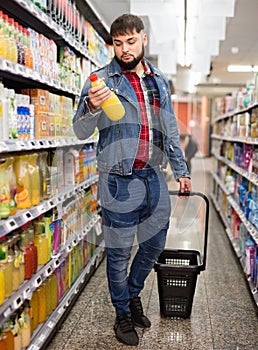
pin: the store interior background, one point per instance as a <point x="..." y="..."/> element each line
<point x="226" y="36"/>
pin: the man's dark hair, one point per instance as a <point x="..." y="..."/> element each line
<point x="125" y="24"/>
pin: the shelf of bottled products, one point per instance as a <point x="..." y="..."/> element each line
<point x="88" y="238"/>
<point x="235" y="180"/>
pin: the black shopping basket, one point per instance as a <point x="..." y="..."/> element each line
<point x="177" y="272"/>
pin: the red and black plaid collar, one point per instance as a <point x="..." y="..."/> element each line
<point x="146" y="68"/>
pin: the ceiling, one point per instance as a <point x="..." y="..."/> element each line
<point x="241" y="32"/>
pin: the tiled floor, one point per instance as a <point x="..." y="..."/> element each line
<point x="223" y="316"/>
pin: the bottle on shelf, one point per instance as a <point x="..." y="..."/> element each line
<point x="33" y="248"/>
<point x="112" y="106"/>
<point x="23" y="189"/>
<point x="4" y="190"/>
<point x="27" y="253"/>
<point x="12" y="184"/>
<point x="3" y="40"/>
<point x="8" y="335"/>
<point x="16" y="330"/>
<point x="2" y="283"/>
<point x="8" y="267"/>
<point x="34" y="310"/>
<point x="4" y="117"/>
<point x="42" y="303"/>
<point x="44" y="170"/>
<point x="34" y="178"/>
<point x="41" y="241"/>
<point x="24" y="320"/>
<point x="15" y="262"/>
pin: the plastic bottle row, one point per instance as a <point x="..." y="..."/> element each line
<point x="28" y="48"/>
<point x="245" y="245"/>
<point x="27" y="178"/>
<point x="34" y="114"/>
<point x="244" y="125"/>
<point x="17" y="330"/>
<point x="35" y="243"/>
<point x="243" y="98"/>
<point x="244" y="192"/>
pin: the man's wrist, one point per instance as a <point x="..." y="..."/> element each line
<point x="92" y="110"/>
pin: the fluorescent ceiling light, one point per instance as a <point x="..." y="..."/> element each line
<point x="217" y="8"/>
<point x="242" y="68"/>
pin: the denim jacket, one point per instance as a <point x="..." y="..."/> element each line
<point x="118" y="140"/>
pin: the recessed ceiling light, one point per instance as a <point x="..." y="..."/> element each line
<point x="242" y="68"/>
<point x="234" y="50"/>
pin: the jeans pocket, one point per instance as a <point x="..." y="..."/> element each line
<point x="108" y="189"/>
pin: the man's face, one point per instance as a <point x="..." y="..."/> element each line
<point x="129" y="49"/>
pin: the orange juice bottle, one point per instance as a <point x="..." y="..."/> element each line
<point x="16" y="330"/>
<point x="6" y="37"/>
<point x="42" y="303"/>
<point x="12" y="184"/>
<point x="24" y="320"/>
<point x="23" y="186"/>
<point x="13" y="46"/>
<point x="34" y="304"/>
<point x="4" y="190"/>
<point x="2" y="284"/>
<point x="112" y="106"/>
<point x="8" y="336"/>
<point x="45" y="175"/>
<point x="41" y="241"/>
<point x="53" y="288"/>
<point x="34" y="178"/>
<point x="3" y="41"/>
<point x="15" y="263"/>
<point x="8" y="269"/>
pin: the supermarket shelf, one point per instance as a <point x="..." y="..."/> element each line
<point x="30" y="145"/>
<point x="248" y="140"/>
<point x="237" y="111"/>
<point x="24" y="216"/>
<point x="250" y="228"/>
<point x="219" y="182"/>
<point x="44" y="332"/>
<point x="236" y="249"/>
<point x="26" y="289"/>
<point x="30" y="15"/>
<point x="24" y="75"/>
<point x="217" y="206"/>
<point x="249" y="176"/>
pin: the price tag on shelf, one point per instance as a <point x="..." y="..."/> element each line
<point x="17" y="302"/>
<point x="69" y="248"/>
<point x="20" y="144"/>
<point x="27" y="216"/>
<point x="38" y="281"/>
<point x="56" y="263"/>
<point x="27" y="294"/>
<point x="48" y="271"/>
<point x="11" y="225"/>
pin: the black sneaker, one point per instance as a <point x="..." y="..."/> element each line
<point x="125" y="331"/>
<point x="139" y="319"/>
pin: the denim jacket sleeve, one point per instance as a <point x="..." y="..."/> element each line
<point x="85" y="122"/>
<point x="172" y="146"/>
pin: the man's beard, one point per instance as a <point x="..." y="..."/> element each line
<point x="132" y="64"/>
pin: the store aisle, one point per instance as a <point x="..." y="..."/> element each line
<point x="223" y="317"/>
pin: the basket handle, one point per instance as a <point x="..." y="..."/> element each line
<point x="207" y="211"/>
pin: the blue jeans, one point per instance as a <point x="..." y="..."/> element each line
<point x="133" y="206"/>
